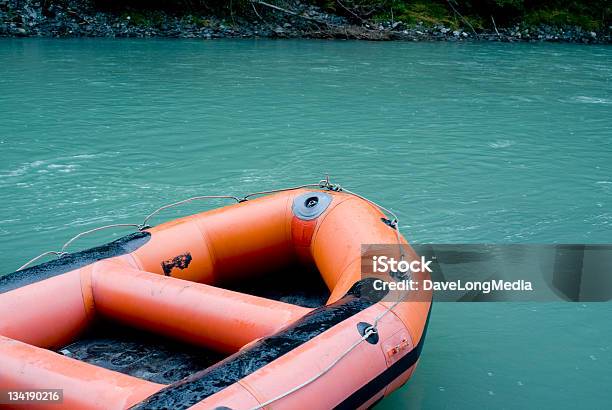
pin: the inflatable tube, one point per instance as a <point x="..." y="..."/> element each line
<point x="172" y="280"/>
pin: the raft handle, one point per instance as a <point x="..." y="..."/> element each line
<point x="372" y="333"/>
<point x="390" y="223"/>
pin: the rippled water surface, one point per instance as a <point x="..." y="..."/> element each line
<point x="469" y="143"/>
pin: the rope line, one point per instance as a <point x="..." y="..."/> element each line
<point x="144" y="225"/>
<point x="394" y="221"/>
<point x="28" y="263"/>
<point x="273" y="191"/>
<point x="101" y="228"/>
<point x="323" y="184"/>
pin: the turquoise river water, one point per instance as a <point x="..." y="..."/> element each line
<point x="469" y="143"/>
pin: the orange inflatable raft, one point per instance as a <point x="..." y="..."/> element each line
<point x="200" y="283"/>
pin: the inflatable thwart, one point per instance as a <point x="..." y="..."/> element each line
<point x="180" y="281"/>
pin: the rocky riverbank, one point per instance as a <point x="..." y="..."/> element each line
<point x="78" y="18"/>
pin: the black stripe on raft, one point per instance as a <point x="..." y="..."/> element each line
<point x="72" y="261"/>
<point x="197" y="387"/>
<point x="361" y="396"/>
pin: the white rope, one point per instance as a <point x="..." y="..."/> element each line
<point x="394" y="222"/>
<point x="272" y="191"/>
<point x="323" y="184"/>
<point x="74" y="238"/>
<point x="184" y="201"/>
<point x="28" y="263"/>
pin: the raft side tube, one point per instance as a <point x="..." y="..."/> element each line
<point x="207" y="316"/>
<point x="84" y="386"/>
<point x="50" y="313"/>
<point x="222" y="245"/>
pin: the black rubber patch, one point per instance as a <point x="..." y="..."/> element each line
<point x="72" y="261"/>
<point x="362" y="327"/>
<point x="180" y="262"/>
<point x="376" y="385"/>
<point x="195" y="388"/>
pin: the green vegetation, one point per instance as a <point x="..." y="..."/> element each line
<point x="143" y="18"/>
<point x="562" y="17"/>
<point x="428" y="13"/>
<point x="588" y="14"/>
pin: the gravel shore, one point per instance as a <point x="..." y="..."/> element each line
<point x="77" y="18"/>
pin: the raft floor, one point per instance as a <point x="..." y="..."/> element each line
<point x="139" y="353"/>
<point x="162" y="360"/>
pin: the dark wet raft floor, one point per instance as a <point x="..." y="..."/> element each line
<point x="140" y="354"/>
<point x="296" y="285"/>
